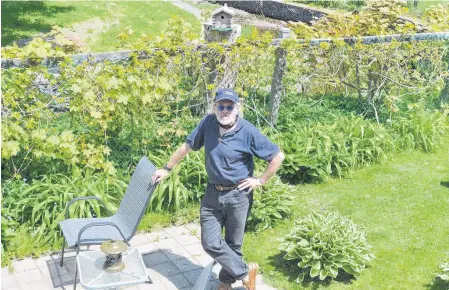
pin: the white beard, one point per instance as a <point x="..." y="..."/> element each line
<point x="227" y="120"/>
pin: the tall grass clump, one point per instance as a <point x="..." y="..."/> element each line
<point x="42" y="203"/>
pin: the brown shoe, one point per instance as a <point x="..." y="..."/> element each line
<point x="249" y="282"/>
<point x="224" y="286"/>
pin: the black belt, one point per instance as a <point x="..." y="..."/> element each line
<point x="224" y="187"/>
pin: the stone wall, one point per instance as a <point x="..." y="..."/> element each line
<point x="276" y="10"/>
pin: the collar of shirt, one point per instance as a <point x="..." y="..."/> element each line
<point x="237" y="128"/>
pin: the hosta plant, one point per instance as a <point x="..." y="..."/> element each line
<point x="271" y="204"/>
<point x="325" y="244"/>
<point x="445" y="272"/>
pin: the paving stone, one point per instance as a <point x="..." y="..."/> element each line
<point x="154" y="275"/>
<point x="186" y="265"/>
<point x="35" y="286"/>
<point x="138" y="240"/>
<point x="176" y="231"/>
<point x="187" y="239"/>
<point x="9" y="282"/>
<point x="177" y="253"/>
<point x="265" y="287"/>
<point x="193" y="275"/>
<point x="216" y="270"/>
<point x="154" y="258"/>
<point x="166" y="244"/>
<point x="157" y="236"/>
<point x="177" y="282"/>
<point x="167" y="269"/>
<point x="23" y="265"/>
<point x="192" y="227"/>
<point x="147" y="248"/>
<point x="204" y="259"/>
<point x="212" y="285"/>
<point x="5" y="272"/>
<point x="157" y="285"/>
<point x="30" y="276"/>
<point x="259" y="280"/>
<point x="42" y="261"/>
<point x="195" y="249"/>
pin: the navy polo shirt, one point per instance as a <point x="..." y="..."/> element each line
<point x="229" y="159"/>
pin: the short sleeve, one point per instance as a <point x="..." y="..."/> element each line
<point x="196" y="137"/>
<point x="262" y="147"/>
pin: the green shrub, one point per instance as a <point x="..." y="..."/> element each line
<point x="43" y="202"/>
<point x="185" y="183"/>
<point x="318" y="151"/>
<point x="420" y="129"/>
<point x="338" y="4"/>
<point x="325" y="244"/>
<point x="445" y="272"/>
<point x="271" y="203"/>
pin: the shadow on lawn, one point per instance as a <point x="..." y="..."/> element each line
<point x="444" y="183"/>
<point x="438" y="284"/>
<point x="19" y="19"/>
<point x="291" y="270"/>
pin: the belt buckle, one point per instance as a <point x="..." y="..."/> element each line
<point x="220" y="188"/>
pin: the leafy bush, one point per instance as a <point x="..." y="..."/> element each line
<point x="43" y="202"/>
<point x="185" y="182"/>
<point x="271" y="203"/>
<point x="326" y="243"/>
<point x="339" y="4"/>
<point x="445" y="272"/>
<point x="318" y="151"/>
<point x="420" y="129"/>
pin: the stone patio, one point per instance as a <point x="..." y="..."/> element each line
<point x="173" y="257"/>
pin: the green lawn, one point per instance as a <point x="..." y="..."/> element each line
<point x="404" y="207"/>
<point x="100" y="22"/>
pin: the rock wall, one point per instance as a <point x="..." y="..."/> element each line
<point x="276" y="9"/>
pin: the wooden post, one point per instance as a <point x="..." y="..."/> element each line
<point x="277" y="87"/>
<point x="229" y="76"/>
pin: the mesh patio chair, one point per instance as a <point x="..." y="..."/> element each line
<point x="120" y="226"/>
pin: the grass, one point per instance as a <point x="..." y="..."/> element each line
<point x="404" y="207"/>
<point x="422" y="5"/>
<point x="25" y="19"/>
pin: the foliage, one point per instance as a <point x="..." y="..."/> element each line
<point x="325" y="244"/>
<point x="43" y="202"/>
<point x="318" y="151"/>
<point x="382" y="74"/>
<point x="53" y="43"/>
<point x="184" y="184"/>
<point x="444" y="267"/>
<point x="420" y="129"/>
<point x="272" y="203"/>
<point x="339" y="4"/>
<point x="437" y="16"/>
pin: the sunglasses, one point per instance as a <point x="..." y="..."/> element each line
<point x="221" y="108"/>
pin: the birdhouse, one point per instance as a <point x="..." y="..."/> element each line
<point x="222" y="18"/>
<point x="220" y="28"/>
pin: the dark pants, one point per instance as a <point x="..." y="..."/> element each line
<point x="229" y="210"/>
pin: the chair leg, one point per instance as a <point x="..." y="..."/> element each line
<point x="76" y="265"/>
<point x="76" y="275"/>
<point x="62" y="251"/>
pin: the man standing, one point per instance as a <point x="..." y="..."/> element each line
<point x="230" y="142"/>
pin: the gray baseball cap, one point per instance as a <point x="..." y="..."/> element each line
<point x="226" y="94"/>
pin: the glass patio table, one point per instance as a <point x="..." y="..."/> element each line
<point x="93" y="276"/>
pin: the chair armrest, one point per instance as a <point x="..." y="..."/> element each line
<point x="84" y="198"/>
<point x="99" y="224"/>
